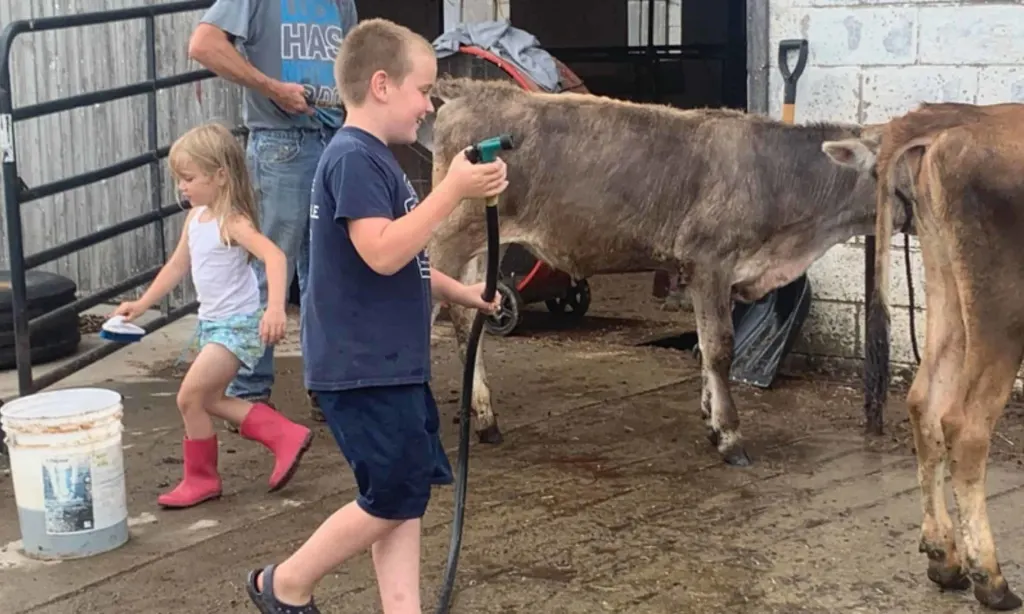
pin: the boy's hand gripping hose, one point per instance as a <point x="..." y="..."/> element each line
<point x="484" y="151"/>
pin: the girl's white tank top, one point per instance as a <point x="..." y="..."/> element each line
<point x="223" y="276"/>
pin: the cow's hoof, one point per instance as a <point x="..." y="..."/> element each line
<point x="996" y="596"/>
<point x="950" y="578"/>
<point x="736" y="456"/>
<point x="491" y="434"/>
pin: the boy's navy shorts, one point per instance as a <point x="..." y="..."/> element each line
<point x="389" y="435"/>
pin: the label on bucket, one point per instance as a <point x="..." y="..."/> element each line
<point x="83" y="492"/>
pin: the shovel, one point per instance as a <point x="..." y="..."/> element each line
<point x="764" y="332"/>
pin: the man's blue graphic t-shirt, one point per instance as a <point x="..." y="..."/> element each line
<point x="295" y="41"/>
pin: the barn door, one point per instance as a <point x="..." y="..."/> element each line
<point x="421" y="16"/>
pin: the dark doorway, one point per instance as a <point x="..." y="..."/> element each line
<point x="425" y="17"/>
<point x="687" y="53"/>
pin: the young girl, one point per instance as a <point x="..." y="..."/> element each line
<point x="220" y="233"/>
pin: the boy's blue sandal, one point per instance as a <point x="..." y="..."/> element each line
<point x="266" y="601"/>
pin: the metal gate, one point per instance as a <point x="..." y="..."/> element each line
<point x="17" y="193"/>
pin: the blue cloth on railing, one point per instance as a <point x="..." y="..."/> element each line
<point x="518" y="47"/>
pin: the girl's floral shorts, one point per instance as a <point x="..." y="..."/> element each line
<point x="240" y="334"/>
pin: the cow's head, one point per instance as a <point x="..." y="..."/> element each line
<point x="860" y="153"/>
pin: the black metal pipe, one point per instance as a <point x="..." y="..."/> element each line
<point x="108" y="348"/>
<point x="695" y="51"/>
<point x="74" y="245"/>
<point x="89" y="177"/>
<point x="95" y="18"/>
<point x="107" y="172"/>
<point x="94" y="299"/>
<point x="156" y="190"/>
<point x="15" y="243"/>
<point x="108" y="95"/>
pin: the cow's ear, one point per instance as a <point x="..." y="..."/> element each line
<point x="854" y="153"/>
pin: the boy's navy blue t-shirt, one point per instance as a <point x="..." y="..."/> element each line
<point x="360" y="328"/>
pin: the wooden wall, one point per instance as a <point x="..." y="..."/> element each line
<point x="56" y="64"/>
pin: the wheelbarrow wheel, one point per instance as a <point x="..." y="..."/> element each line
<point x="574" y="305"/>
<point x="506" y="320"/>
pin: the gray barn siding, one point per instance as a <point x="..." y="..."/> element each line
<point x="56" y="64"/>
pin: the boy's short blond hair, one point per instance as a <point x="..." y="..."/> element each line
<point x="374" y="44"/>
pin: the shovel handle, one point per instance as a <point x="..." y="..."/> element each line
<point x="790" y="76"/>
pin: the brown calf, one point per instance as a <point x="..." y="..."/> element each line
<point x="737" y="204"/>
<point x="960" y="165"/>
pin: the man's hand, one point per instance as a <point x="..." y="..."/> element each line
<point x="291" y="97"/>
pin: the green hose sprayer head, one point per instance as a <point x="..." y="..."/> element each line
<point x="487" y="149"/>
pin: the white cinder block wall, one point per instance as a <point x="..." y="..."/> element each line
<point x="869" y="60"/>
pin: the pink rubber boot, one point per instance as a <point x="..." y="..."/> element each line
<point x="201" y="481"/>
<point x="286" y="439"/>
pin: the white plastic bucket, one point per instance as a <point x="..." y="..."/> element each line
<point x="67" y="465"/>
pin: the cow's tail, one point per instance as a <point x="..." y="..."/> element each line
<point x="877" y="347"/>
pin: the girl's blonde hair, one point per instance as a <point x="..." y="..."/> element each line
<point x="211" y="148"/>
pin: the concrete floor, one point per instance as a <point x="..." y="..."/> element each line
<point x="604" y="497"/>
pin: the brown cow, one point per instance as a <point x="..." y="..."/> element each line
<point x="960" y="166"/>
<point x="739" y="204"/>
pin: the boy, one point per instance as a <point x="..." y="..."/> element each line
<point x="366" y="320"/>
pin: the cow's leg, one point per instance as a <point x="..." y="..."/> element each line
<point x="929" y="398"/>
<point x="712" y="307"/>
<point x="462" y="322"/>
<point x="991" y="361"/>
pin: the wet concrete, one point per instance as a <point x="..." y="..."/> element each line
<point x="604" y="497"/>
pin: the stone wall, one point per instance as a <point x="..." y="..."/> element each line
<point x="869" y="60"/>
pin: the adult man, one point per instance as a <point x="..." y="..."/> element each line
<point x="289" y="49"/>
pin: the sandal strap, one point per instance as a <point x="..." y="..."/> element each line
<point x="267" y="601"/>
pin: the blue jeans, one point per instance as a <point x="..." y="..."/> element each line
<point x="282" y="163"/>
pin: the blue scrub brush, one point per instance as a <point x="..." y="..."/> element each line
<point x="116" y="329"/>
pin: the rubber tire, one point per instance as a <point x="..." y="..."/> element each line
<point x="65" y="327"/>
<point x="45" y="292"/>
<point x="511" y="303"/>
<point x="41" y="354"/>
